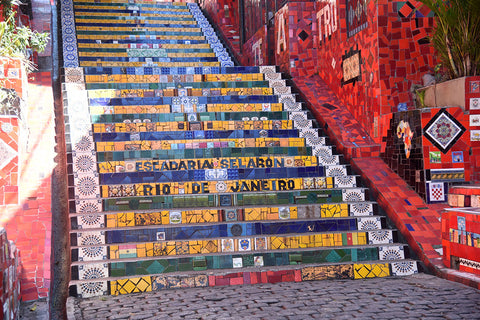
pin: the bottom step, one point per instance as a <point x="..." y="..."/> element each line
<point x="117" y="286"/>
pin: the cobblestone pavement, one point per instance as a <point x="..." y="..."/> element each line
<point x="415" y="297"/>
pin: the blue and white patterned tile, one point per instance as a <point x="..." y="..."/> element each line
<point x="88" y="206"/>
<point x="270" y="73"/>
<point x="312" y="137"/>
<point x="325" y="156"/>
<point x="391" y="253"/>
<point x="353" y="195"/>
<point x="93" y="271"/>
<point x="84" y="163"/>
<point x="86" y="186"/>
<point x="92" y="289"/>
<point x="91" y="245"/>
<point x="335" y="171"/>
<point x="404" y="268"/>
<point x="69" y="38"/>
<point x="90" y="221"/>
<point x="280" y="87"/>
<point x="380" y="237"/>
<point x="370" y="223"/>
<point x="289" y="102"/>
<point x="345" y="181"/>
<point x="300" y="119"/>
<point x="361" y="209"/>
<point x="212" y="39"/>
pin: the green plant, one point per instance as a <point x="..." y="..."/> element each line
<point x="15" y="40"/>
<point x="456" y="37"/>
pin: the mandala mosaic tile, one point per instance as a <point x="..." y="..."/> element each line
<point x="404" y="268"/>
<point x="391" y="253"/>
<point x="380" y="237"/>
<point x="92" y="289"/>
<point x="353" y="195"/>
<point x="443" y="130"/>
<point x="370" y="223"/>
<point x="361" y="209"/>
<point x="93" y="271"/>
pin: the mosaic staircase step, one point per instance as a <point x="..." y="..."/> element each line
<point x="210" y="200"/>
<point x="90" y="217"/>
<point x="303" y="272"/>
<point x="269" y="72"/>
<point x="188" y="171"/>
<point x="217" y="253"/>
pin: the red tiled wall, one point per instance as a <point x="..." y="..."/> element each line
<point x="461" y="239"/>
<point x="472" y="104"/>
<point x="282" y="40"/>
<point x="225" y="13"/>
<point x="255" y="49"/>
<point x="9" y="278"/>
<point x="25" y="184"/>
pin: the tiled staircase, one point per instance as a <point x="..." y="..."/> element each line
<point x="188" y="171"/>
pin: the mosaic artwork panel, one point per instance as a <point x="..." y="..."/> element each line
<point x="443" y="130"/>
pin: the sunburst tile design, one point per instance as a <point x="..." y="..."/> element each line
<point x="391" y="253"/>
<point x="404" y="268"/>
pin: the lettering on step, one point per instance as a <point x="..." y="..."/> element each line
<point x="204" y="187"/>
<point x="203" y="164"/>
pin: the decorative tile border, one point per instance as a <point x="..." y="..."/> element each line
<point x="211" y="36"/>
<point x="69" y="37"/>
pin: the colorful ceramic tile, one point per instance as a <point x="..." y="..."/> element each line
<point x="237" y="262"/>
<point x="244" y="244"/>
<point x="404" y="268"/>
<point x="457" y="156"/>
<point x="363" y="271"/>
<point x="391" y="253"/>
<point x="474" y="103"/>
<point x="443" y="130"/>
<point x="436" y="192"/>
<point x="175" y="217"/>
<point x="261" y="243"/>
<point x="228" y="245"/>
<point x="435" y="157"/>
<point x="258" y="261"/>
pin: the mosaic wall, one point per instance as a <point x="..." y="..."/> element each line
<point x="461" y="239"/>
<point x="182" y="165"/>
<point x="404" y="149"/>
<point x="9" y="278"/>
<point x="255" y="49"/>
<point x="25" y="186"/>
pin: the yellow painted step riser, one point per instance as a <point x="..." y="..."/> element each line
<point x="132" y="21"/>
<point x="127" y="46"/>
<point x="143" y="64"/>
<point x="126" y="55"/>
<point x="131" y="29"/>
<point x="121" y="14"/>
<point x="180" y="4"/>
<point x="127" y="37"/>
<point x="129" y="93"/>
<point x="124" y="7"/>
<point x="131" y="78"/>
<point x="134" y="219"/>
<point x="184" y="126"/>
<point x="167" y="145"/>
<point x="175" y="248"/>
<point x="253" y="107"/>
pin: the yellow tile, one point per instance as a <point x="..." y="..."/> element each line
<point x="114" y="252"/>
